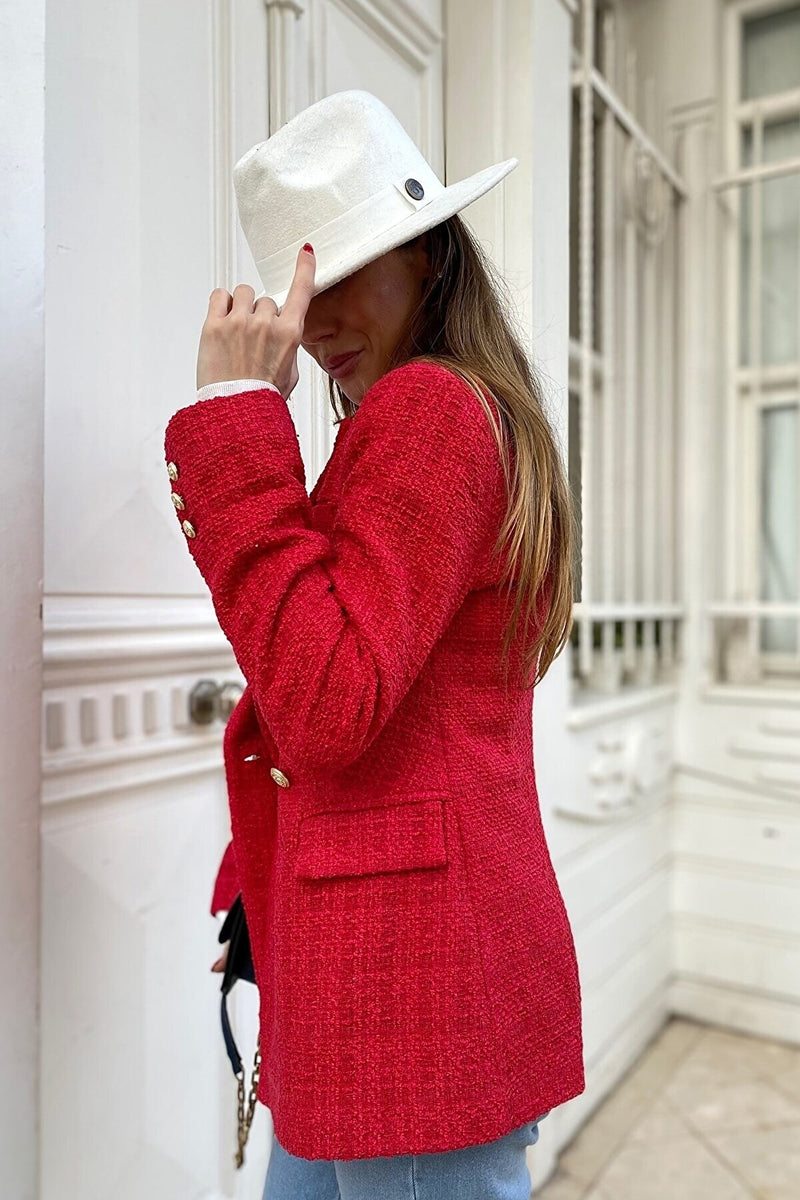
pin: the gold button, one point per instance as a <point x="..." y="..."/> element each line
<point x="172" y="470"/>
<point x="279" y="777"/>
<point x="189" y="529"/>
<point x="178" y="500"/>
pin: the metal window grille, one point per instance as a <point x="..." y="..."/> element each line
<point x="626" y="204"/>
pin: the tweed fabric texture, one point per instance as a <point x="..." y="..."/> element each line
<point x="417" y="976"/>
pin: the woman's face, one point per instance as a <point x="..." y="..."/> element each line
<point x="366" y="315"/>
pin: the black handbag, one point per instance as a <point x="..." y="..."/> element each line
<point x="239" y="965"/>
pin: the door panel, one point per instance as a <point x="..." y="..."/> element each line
<point x="148" y="107"/>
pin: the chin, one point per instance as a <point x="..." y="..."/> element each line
<point x="355" y="391"/>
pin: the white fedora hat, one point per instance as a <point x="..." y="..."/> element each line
<point x="345" y="176"/>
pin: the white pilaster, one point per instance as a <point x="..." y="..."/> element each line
<point x="22" y="60"/>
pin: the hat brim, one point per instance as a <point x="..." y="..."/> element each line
<point x="450" y="201"/>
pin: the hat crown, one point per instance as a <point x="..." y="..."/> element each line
<point x="344" y="175"/>
<point x="320" y="165"/>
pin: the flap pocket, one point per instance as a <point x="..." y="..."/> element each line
<point x="367" y="841"/>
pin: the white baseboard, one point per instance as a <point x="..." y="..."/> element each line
<point x="744" y="1011"/>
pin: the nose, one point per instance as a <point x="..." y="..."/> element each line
<point x="320" y="324"/>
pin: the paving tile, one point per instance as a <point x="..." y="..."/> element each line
<point x="600" y="1193"/>
<point x="596" y="1142"/>
<point x="663" y="1056"/>
<point x="561" y="1186"/>
<point x="768" y="1158"/>
<point x="662" y="1121"/>
<point x="711" y="1102"/>
<point x="677" y="1037"/>
<point x="737" y="1056"/>
<point x="677" y="1168"/>
<point x="622" y="1111"/>
<point x="705" y="1114"/>
<point x="788" y="1081"/>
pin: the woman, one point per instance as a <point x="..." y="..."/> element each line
<point x="420" y="999"/>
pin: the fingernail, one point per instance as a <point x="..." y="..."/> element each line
<point x="309" y="248"/>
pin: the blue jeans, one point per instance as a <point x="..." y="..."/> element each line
<point x="494" y="1171"/>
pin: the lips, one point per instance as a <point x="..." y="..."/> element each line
<point x="341" y="364"/>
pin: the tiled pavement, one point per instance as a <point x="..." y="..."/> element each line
<point x="704" y="1114"/>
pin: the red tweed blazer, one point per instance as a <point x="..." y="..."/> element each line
<point x="415" y="965"/>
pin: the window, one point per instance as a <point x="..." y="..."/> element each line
<point x="757" y="625"/>
<point x="623" y="436"/>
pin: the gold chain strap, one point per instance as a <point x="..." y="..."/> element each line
<point x="246" y="1119"/>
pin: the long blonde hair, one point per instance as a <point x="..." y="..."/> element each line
<point x="462" y="323"/>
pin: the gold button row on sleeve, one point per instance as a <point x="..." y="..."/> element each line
<point x="178" y="501"/>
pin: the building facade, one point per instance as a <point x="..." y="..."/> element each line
<point x="650" y="238"/>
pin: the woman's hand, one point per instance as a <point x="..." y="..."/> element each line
<point x="241" y="339"/>
<point x="219" y="965"/>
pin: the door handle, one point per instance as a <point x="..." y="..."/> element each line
<point x="211" y="701"/>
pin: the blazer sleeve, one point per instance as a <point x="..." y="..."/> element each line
<point x="331" y="630"/>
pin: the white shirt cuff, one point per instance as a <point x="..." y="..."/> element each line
<point x="230" y="387"/>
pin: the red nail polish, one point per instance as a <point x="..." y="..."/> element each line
<point x="309" y="248"/>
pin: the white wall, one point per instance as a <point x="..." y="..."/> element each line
<point x="21" y="354"/>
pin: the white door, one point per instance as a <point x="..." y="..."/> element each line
<point x="147" y="108"/>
